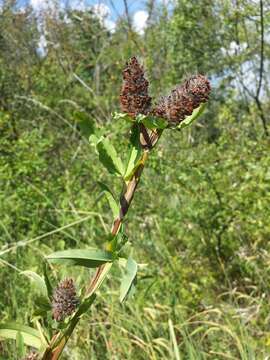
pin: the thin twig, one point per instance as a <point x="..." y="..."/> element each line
<point x="261" y="51"/>
<point x="257" y="96"/>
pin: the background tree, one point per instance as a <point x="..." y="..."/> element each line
<point x="202" y="241"/>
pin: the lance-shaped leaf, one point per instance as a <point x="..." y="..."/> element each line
<point x="121" y="116"/>
<point x="20" y="345"/>
<point x="90" y="258"/>
<point x="28" y="335"/>
<point x="109" y="158"/>
<point x="47" y="280"/>
<point x="117" y="241"/>
<point x="110" y="198"/>
<point x="152" y="122"/>
<point x="129" y="278"/>
<point x="135" y="152"/>
<point x="174" y="341"/>
<point x="195" y="114"/>
<point x="103" y="271"/>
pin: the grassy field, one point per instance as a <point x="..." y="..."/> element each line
<point x="198" y="226"/>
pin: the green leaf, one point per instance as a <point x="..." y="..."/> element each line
<point x="106" y="268"/>
<point x="47" y="280"/>
<point x="128" y="279"/>
<point x="90" y="258"/>
<point x="122" y="116"/>
<point x="43" y="303"/>
<point x="37" y="280"/>
<point x="20" y="345"/>
<point x="110" y="198"/>
<point x="135" y="152"/>
<point x="94" y="139"/>
<point x="116" y="242"/>
<point x="152" y="122"/>
<point x="188" y="120"/>
<point x="30" y="336"/>
<point x="174" y="341"/>
<point x="109" y="158"/>
<point x="122" y="238"/>
<point x="86" y="125"/>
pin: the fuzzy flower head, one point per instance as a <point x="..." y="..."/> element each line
<point x="134" y="98"/>
<point x="65" y="300"/>
<point x="183" y="100"/>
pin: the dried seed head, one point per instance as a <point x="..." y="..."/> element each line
<point x="183" y="100"/>
<point x="31" y="356"/>
<point x="134" y="97"/>
<point x="64" y="300"/>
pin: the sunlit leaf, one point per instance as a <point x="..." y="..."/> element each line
<point x="90" y="258"/>
<point x="152" y="122"/>
<point x="109" y="158"/>
<point x="20" y="345"/>
<point x="47" y="280"/>
<point x="135" y="152"/>
<point x="128" y="279"/>
<point x="110" y="198"/>
<point x="174" y="341"/>
<point x="122" y="116"/>
<point x="28" y="335"/>
<point x="94" y="139"/>
<point x="104" y="271"/>
<point x="116" y="242"/>
<point x="188" y="120"/>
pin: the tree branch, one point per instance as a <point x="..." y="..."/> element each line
<point x="261" y="51"/>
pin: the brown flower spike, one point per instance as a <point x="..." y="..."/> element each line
<point x="134" y="96"/>
<point x="183" y="100"/>
<point x="64" y="301"/>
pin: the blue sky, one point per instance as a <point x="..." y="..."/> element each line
<point x="116" y="6"/>
<point x="107" y="10"/>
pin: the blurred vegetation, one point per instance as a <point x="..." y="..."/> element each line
<point x="200" y="220"/>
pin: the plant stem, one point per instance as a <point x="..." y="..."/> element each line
<point x="148" y="141"/>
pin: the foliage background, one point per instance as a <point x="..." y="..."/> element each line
<point x="200" y="220"/>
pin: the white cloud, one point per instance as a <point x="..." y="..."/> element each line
<point x="103" y="12"/>
<point x="78" y="5"/>
<point x="166" y="2"/>
<point x="110" y="25"/>
<point x="140" y="21"/>
<point x="42" y="5"/>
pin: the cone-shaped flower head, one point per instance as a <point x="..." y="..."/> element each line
<point x="134" y="97"/>
<point x="183" y="100"/>
<point x="64" y="300"/>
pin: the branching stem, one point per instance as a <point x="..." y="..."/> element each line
<point x="148" y="141"/>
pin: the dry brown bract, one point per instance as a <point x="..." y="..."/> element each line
<point x="65" y="300"/>
<point x="134" y="97"/>
<point x="183" y="100"/>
